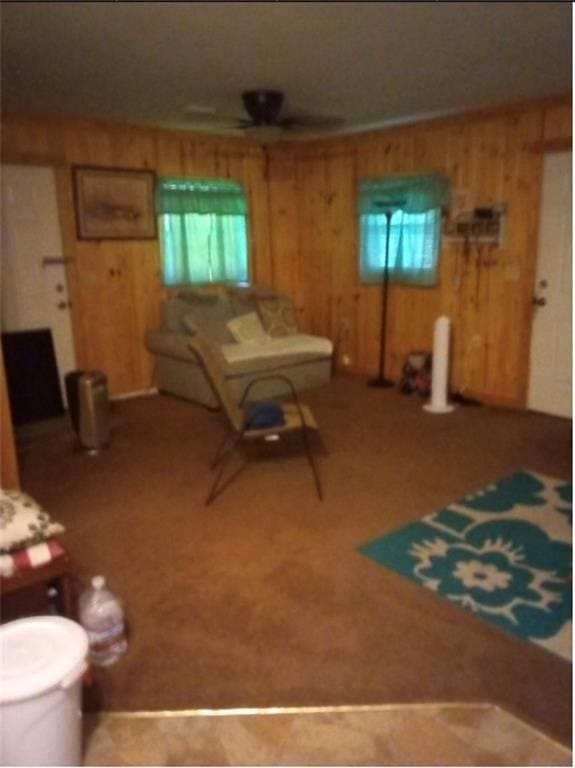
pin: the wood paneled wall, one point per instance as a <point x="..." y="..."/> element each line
<point x="304" y="238"/>
<point x="115" y="286"/>
<point x="490" y="157"/>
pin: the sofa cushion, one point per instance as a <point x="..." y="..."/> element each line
<point x="243" y="303"/>
<point x="194" y="297"/>
<point x="211" y="318"/>
<point x="23" y="522"/>
<point x="275" y="353"/>
<point x="277" y="315"/>
<point x="252" y="292"/>
<point x="173" y="313"/>
<point x="247" y="328"/>
<point x="177" y="347"/>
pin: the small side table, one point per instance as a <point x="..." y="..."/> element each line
<point x="55" y="573"/>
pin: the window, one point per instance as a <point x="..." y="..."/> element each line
<point x="203" y="231"/>
<point x="411" y="208"/>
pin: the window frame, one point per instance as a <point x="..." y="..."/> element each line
<point x="161" y="215"/>
<point x="414" y="194"/>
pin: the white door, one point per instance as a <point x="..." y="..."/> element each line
<point x="34" y="286"/>
<point x="550" y="379"/>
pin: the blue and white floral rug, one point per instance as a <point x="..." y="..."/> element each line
<point x="504" y="553"/>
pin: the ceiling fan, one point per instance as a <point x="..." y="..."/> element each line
<point x="265" y="122"/>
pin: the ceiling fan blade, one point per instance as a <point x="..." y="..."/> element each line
<point x="306" y="122"/>
<point x="205" y="117"/>
<point x="263" y="122"/>
<point x="208" y="120"/>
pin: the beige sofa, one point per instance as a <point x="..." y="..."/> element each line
<point x="254" y="333"/>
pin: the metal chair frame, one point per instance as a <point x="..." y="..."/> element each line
<point x="244" y="433"/>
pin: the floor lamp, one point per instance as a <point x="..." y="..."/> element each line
<point x="381" y="381"/>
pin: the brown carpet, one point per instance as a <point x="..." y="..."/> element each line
<point x="262" y="599"/>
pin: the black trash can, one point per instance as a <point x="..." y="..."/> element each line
<point x="87" y="394"/>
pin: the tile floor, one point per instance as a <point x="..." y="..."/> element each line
<point x="427" y="734"/>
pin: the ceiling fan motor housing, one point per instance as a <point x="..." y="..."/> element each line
<point x="263" y="106"/>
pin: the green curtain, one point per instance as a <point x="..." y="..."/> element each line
<point x="410" y="194"/>
<point x="203" y="230"/>
<point x="200" y="196"/>
<point x="411" y="207"/>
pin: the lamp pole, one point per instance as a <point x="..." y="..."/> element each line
<point x="381" y="381"/>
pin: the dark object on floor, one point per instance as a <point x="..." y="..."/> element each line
<point x="263" y="415"/>
<point x="416" y="374"/>
<point x="32" y="375"/>
<point x="457" y="397"/>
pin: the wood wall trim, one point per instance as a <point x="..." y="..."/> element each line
<point x="9" y="472"/>
<point x="230" y="146"/>
<point x="352" y="143"/>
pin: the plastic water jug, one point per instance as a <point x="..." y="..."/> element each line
<point x="102" y="617"/>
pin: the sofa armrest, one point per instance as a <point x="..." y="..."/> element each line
<point x="170" y="344"/>
<point x="177" y="347"/>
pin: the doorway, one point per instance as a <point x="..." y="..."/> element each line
<point x="550" y="376"/>
<point x="34" y="285"/>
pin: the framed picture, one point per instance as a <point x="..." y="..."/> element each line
<point x="114" y="203"/>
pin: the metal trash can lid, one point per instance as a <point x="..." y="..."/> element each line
<point x="93" y="376"/>
<point x="38" y="654"/>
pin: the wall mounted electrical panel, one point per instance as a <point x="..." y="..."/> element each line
<point x="478" y="225"/>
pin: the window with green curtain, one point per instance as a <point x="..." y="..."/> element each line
<point x="411" y="207"/>
<point x="203" y="231"/>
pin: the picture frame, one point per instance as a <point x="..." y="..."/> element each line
<point x="114" y="203"/>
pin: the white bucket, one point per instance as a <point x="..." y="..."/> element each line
<point x="42" y="660"/>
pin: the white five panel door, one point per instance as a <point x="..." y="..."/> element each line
<point x="34" y="285"/>
<point x="550" y="378"/>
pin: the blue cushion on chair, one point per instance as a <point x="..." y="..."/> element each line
<point x="264" y="414"/>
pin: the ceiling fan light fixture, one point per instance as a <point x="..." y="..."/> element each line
<point x="264" y="123"/>
<point x="263" y="107"/>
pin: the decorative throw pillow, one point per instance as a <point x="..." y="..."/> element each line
<point x="23" y="522"/>
<point x="278" y="316"/>
<point x="247" y="328"/>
